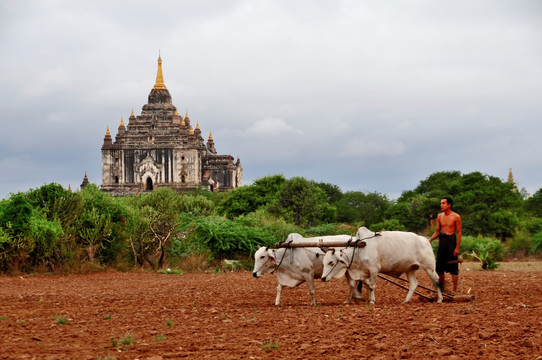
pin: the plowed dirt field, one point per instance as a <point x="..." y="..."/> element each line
<point x="146" y="315"/>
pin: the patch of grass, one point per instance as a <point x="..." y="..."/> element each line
<point x="339" y="315"/>
<point x="127" y="340"/>
<point x="20" y="322"/>
<point x="169" y="322"/>
<point x="160" y="338"/>
<point x="108" y="317"/>
<point x="3" y="317"/>
<point x="224" y="315"/>
<point x="60" y="320"/>
<point x="270" y="344"/>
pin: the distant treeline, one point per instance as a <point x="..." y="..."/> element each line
<point x="54" y="229"/>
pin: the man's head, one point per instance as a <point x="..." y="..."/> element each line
<point x="446" y="203"/>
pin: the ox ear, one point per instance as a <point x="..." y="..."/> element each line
<point x="271" y="254"/>
<point x="325" y="249"/>
<point x="362" y="244"/>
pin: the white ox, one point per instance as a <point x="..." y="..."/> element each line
<point x="388" y="252"/>
<point x="296" y="265"/>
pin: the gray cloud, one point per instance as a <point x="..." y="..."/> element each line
<point x="371" y="96"/>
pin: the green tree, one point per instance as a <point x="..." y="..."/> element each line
<point x="65" y="206"/>
<point x="303" y="202"/>
<point x="534" y="204"/>
<point x="247" y="199"/>
<point x="333" y="192"/>
<point x="102" y="225"/>
<point x="27" y="237"/>
<point x="487" y="205"/>
<point x="159" y="211"/>
<point x="367" y="209"/>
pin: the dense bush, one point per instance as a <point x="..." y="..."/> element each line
<point x="536" y="245"/>
<point x="487" y="250"/>
<point x="228" y="239"/>
<point x="52" y="228"/>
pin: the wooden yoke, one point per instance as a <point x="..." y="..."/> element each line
<point x="321" y="244"/>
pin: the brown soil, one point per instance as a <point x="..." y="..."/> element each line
<point x="231" y="316"/>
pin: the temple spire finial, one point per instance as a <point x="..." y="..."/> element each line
<point x="121" y="121"/>
<point x="511" y="177"/>
<point x="159" y="77"/>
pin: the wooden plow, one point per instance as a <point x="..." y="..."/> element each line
<point x="332" y="244"/>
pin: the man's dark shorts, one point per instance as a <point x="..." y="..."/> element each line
<point x="445" y="253"/>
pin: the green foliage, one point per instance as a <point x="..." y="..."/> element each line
<point x="331" y="229"/>
<point x="226" y="238"/>
<point x="304" y="203"/>
<point x="101" y="227"/>
<point x="486" y="250"/>
<point x="388" y="225"/>
<point x="536" y="245"/>
<point x="60" y="320"/>
<point x="54" y="228"/>
<point x="487" y="205"/>
<point x="531" y="224"/>
<point x="16" y="214"/>
<point x="534" y="204"/>
<point x="333" y="192"/>
<point x="519" y="244"/>
<point x="247" y="199"/>
<point x="277" y="227"/>
<point x="367" y="209"/>
<point x="156" y="223"/>
<point x="27" y="237"/>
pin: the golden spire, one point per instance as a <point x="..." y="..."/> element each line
<point x="159" y="77"/>
<point x="197" y="125"/>
<point x="182" y="121"/>
<point x="121" y="122"/>
<point x="107" y="133"/>
<point x="191" y="131"/>
<point x="176" y="112"/>
<point x="511" y="177"/>
<point x="210" y="136"/>
<point x="132" y="114"/>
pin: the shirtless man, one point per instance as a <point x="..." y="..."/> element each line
<point x="449" y="234"/>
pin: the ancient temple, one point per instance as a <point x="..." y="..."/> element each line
<point x="160" y="148"/>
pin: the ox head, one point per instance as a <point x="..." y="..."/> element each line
<point x="335" y="264"/>
<point x="264" y="261"/>
<point x="364" y="233"/>
<point x="292" y="237"/>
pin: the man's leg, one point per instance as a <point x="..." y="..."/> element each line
<point x="454" y="282"/>
<point x="441" y="281"/>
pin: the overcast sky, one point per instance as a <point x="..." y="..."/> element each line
<point x="367" y="95"/>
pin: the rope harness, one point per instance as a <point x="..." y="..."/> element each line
<point x="350" y="243"/>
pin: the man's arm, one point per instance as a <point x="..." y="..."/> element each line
<point x="437" y="232"/>
<point x="458" y="232"/>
